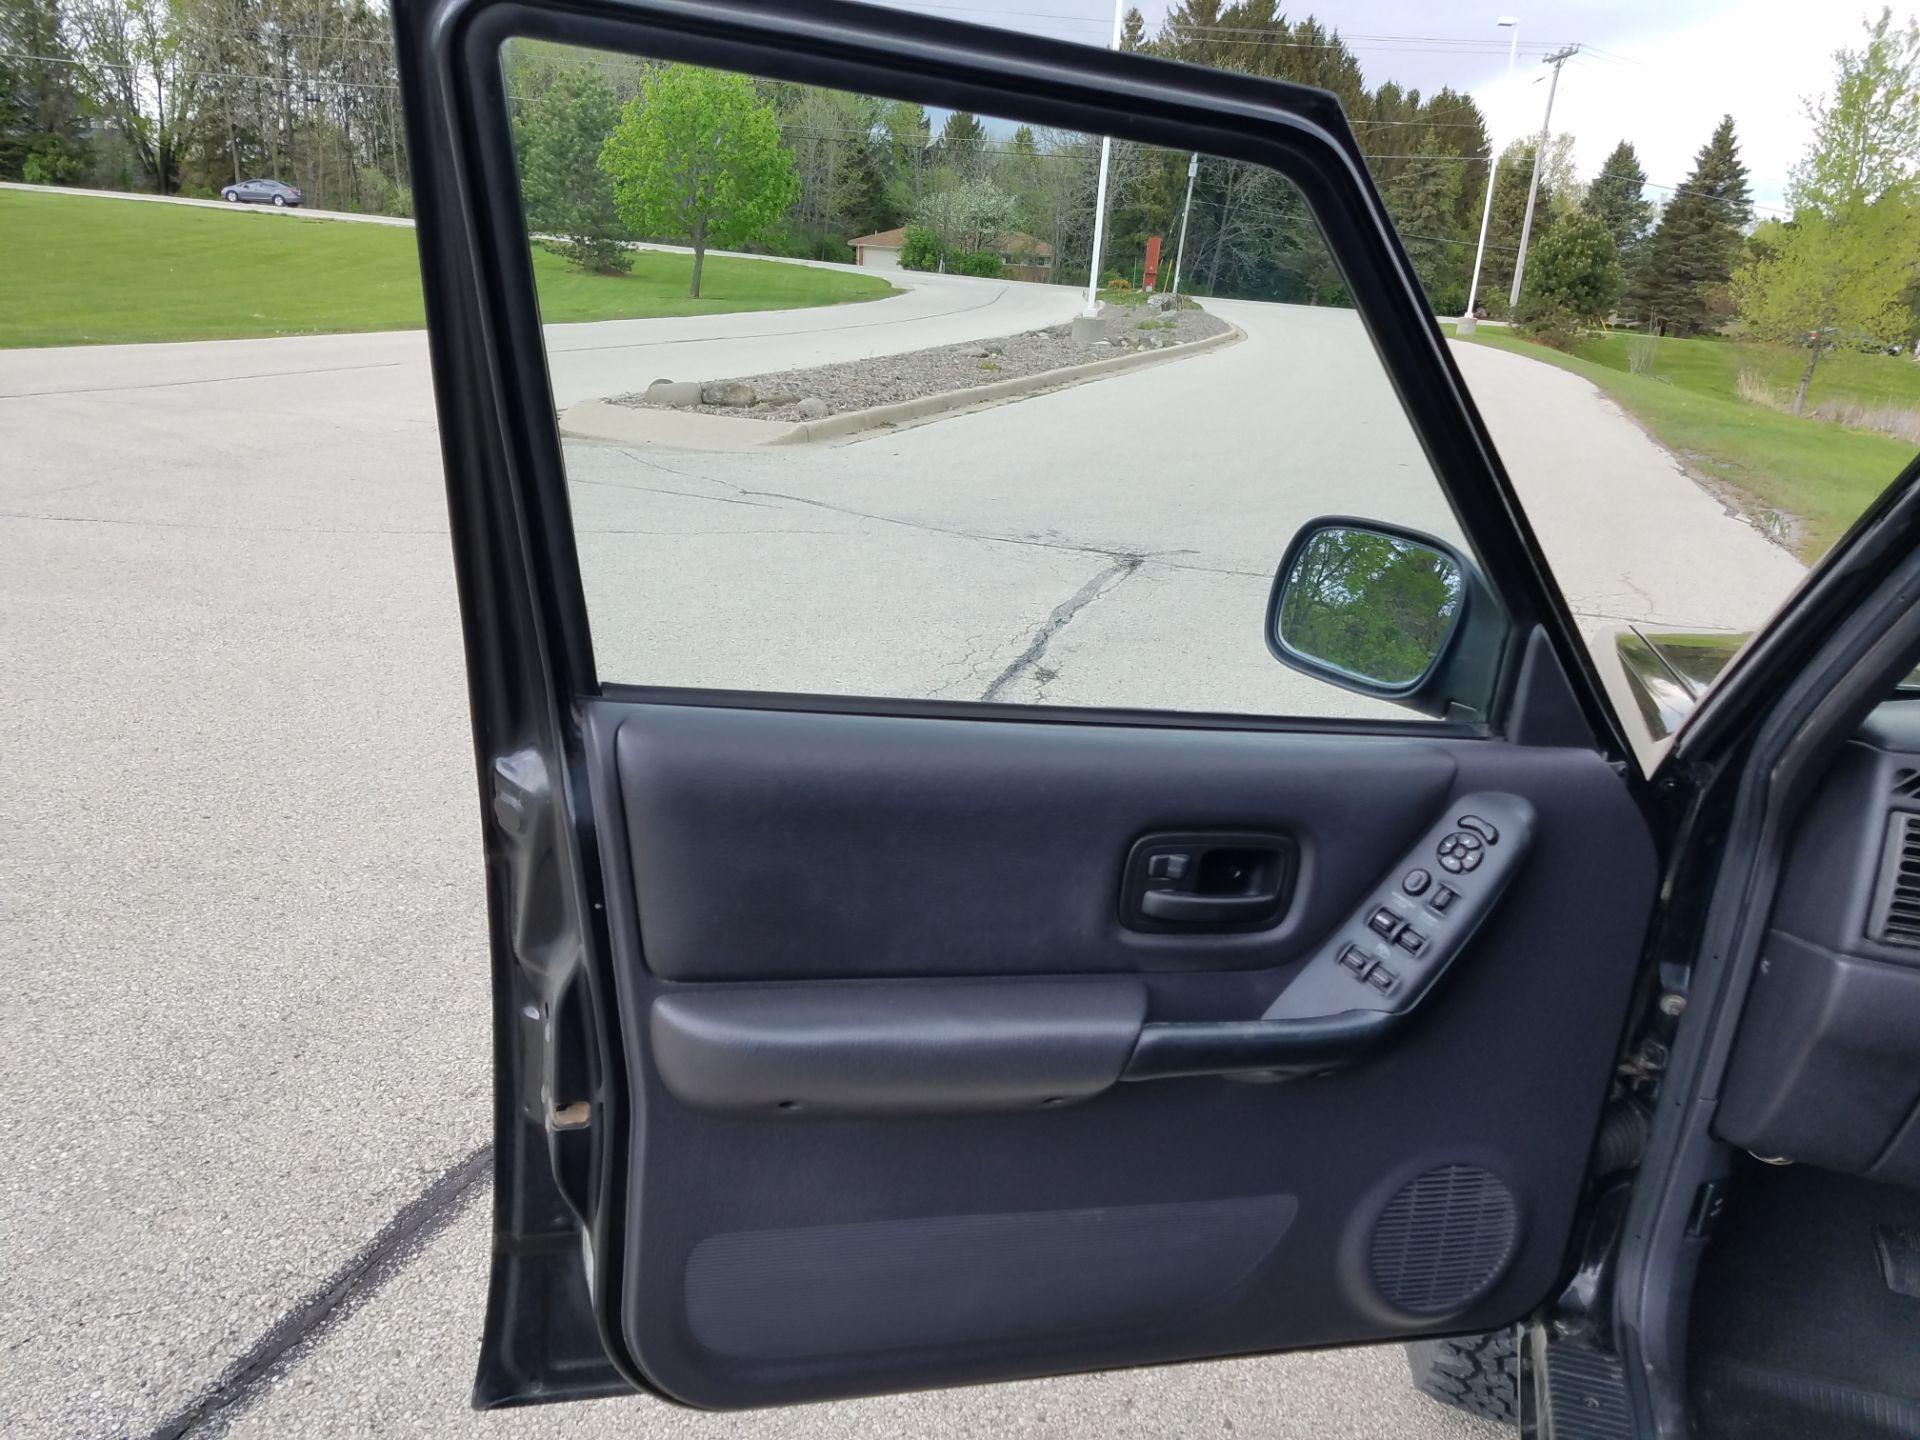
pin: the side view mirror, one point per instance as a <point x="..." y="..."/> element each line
<point x="1387" y="612"/>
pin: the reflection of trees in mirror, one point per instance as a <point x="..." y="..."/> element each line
<point x="1372" y="605"/>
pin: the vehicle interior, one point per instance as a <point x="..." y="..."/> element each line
<point x="1806" y="1315"/>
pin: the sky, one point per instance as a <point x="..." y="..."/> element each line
<point x="1660" y="73"/>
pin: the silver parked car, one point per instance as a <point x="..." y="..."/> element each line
<point x="262" y="192"/>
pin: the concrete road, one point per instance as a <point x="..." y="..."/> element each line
<point x="240" y="901"/>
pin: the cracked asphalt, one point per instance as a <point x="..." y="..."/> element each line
<point x="240" y="898"/>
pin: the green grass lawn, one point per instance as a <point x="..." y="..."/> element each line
<point x="87" y="271"/>
<point x="1712" y="367"/>
<point x="1818" y="475"/>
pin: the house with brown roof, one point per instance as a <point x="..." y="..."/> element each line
<point x="1027" y="257"/>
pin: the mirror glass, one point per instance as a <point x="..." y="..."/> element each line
<point x="1371" y="605"/>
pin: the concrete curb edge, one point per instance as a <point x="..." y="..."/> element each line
<point x="629" y="424"/>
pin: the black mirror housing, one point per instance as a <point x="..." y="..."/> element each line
<point x="1388" y="612"/>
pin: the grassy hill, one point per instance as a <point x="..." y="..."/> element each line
<point x="88" y="271"/>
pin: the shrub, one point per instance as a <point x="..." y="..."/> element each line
<point x="1574" y="269"/>
<point x="1446" y="297"/>
<point x="978" y="262"/>
<point x="596" y="254"/>
<point x="52" y="160"/>
<point x="919" y="249"/>
<point x="1114" y="280"/>
<point x="1547" y="323"/>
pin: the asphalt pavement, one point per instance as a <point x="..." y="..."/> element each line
<point x="240" y="897"/>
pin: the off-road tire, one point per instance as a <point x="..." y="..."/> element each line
<point x="1476" y="1373"/>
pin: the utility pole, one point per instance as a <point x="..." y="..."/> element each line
<point x="1556" y="60"/>
<point x="1505" y="22"/>
<point x="1193" y="169"/>
<point x="1100" y="196"/>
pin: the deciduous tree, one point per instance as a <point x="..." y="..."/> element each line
<point x="1843" y="270"/>
<point x="966" y="216"/>
<point x="1572" y="275"/>
<point x="697" y="157"/>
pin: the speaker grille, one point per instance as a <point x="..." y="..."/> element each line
<point x="1443" y="1239"/>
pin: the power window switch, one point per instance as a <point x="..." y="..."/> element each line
<point x="1411" y="941"/>
<point x="1355" y="959"/>
<point x="1381" y="978"/>
<point x="1384" y="922"/>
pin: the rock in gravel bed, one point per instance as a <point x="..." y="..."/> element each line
<point x="823" y="390"/>
<point x="676" y="393"/>
<point x="731" y="394"/>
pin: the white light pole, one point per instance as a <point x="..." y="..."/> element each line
<point x="1100" y="196"/>
<point x="1193" y="169"/>
<point x="1506" y="22"/>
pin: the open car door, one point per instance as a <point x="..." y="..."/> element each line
<point x="850" y="1044"/>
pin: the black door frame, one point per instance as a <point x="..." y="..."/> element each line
<point x="528" y="648"/>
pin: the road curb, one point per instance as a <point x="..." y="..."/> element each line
<point x="695" y="430"/>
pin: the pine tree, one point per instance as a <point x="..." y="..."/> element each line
<point x="962" y="145"/>
<point x="1617" y="198"/>
<point x="1510" y="185"/>
<point x="1422" y="197"/>
<point x="559" y="135"/>
<point x="1681" y="283"/>
<point x="40" y="130"/>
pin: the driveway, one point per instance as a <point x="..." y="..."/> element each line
<point x="240" y="882"/>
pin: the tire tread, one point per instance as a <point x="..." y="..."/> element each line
<point x="1476" y="1373"/>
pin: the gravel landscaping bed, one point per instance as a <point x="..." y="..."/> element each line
<point x="823" y="390"/>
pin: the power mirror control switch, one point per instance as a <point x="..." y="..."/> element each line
<point x="1420" y="917"/>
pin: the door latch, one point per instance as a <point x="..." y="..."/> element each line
<point x="1219" y="881"/>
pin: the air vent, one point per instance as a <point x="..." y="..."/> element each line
<point x="1896" y="895"/>
<point x="1906" y="784"/>
<point x="1443" y="1240"/>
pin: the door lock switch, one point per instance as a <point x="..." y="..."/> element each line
<point x="1170" y="866"/>
<point x="1443" y="898"/>
<point x="1416" y="882"/>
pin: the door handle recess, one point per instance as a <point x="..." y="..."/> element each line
<point x="1177" y="909"/>
<point x="1219" y="882"/>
